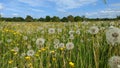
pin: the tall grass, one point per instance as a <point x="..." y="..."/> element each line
<point x="90" y="51"/>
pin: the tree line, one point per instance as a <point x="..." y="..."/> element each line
<point x="69" y="18"/>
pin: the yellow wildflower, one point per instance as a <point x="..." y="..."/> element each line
<point x="39" y="51"/>
<point x="53" y="59"/>
<point x="43" y="49"/>
<point x="15" y="53"/>
<point x="10" y="62"/>
<point x="27" y="58"/>
<point x="52" y="51"/>
<point x="71" y="64"/>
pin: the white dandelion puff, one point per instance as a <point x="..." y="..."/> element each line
<point x="61" y="45"/>
<point x="40" y="42"/>
<point x="119" y="66"/>
<point x="113" y="36"/>
<point x="51" y="30"/>
<point x="56" y="41"/>
<point x="30" y="52"/>
<point x="78" y="31"/>
<point x="71" y="37"/>
<point x="93" y="30"/>
<point x="23" y="54"/>
<point x="114" y="62"/>
<point x="59" y="30"/>
<point x="16" y="49"/>
<point x="69" y="46"/>
<point x="9" y="40"/>
<point x="56" y="46"/>
<point x="25" y="37"/>
<point x="71" y="32"/>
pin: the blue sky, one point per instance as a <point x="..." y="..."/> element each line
<point x="41" y="8"/>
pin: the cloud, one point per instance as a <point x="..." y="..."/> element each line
<point x="104" y="13"/>
<point x="60" y="5"/>
<point x="38" y="3"/>
<point x="13" y="10"/>
<point x="71" y="4"/>
<point x="115" y="4"/>
<point x="1" y="6"/>
<point x="36" y="10"/>
<point x="15" y="14"/>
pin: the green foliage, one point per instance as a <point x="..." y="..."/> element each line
<point x="55" y="19"/>
<point x="78" y="18"/>
<point x="70" y="18"/>
<point x="90" y="51"/>
<point x="41" y="19"/>
<point x="47" y="19"/>
<point x="64" y="19"/>
<point x="18" y="19"/>
<point x="28" y="18"/>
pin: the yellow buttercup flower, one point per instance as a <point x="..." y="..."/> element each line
<point x="10" y="62"/>
<point x="27" y="58"/>
<point x="71" y="64"/>
<point x="54" y="59"/>
<point x="43" y="49"/>
<point x="52" y="52"/>
<point x="15" y="53"/>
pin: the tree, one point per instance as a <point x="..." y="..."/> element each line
<point x="28" y="18"/>
<point x="70" y="18"/>
<point x="118" y="18"/>
<point x="18" y="19"/>
<point x="64" y="19"/>
<point x="47" y="19"/>
<point x="77" y="18"/>
<point x="41" y="19"/>
<point x="55" y="19"/>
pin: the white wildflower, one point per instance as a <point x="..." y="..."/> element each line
<point x="56" y="46"/>
<point x="30" y="52"/>
<point x="16" y="49"/>
<point x="9" y="40"/>
<point x="40" y="42"/>
<point x="71" y="37"/>
<point x="51" y="30"/>
<point x="61" y="45"/>
<point x="56" y="41"/>
<point x="71" y="32"/>
<point x="78" y="31"/>
<point x="93" y="30"/>
<point x="25" y="37"/>
<point x="69" y="46"/>
<point x="114" y="62"/>
<point x="113" y="36"/>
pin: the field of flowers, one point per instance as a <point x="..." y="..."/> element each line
<point x="60" y="45"/>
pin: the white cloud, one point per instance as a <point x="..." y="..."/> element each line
<point x="61" y="5"/>
<point x="42" y="3"/>
<point x="1" y="6"/>
<point x="15" y="14"/>
<point x="71" y="4"/>
<point x="13" y="10"/>
<point x="30" y="2"/>
<point x="115" y="4"/>
<point x="36" y="10"/>
<point x="104" y="13"/>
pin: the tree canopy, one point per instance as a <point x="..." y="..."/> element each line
<point x="69" y="18"/>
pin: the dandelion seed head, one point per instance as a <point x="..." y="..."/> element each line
<point x="113" y="36"/>
<point x="114" y="62"/>
<point x="93" y="30"/>
<point x="30" y="52"/>
<point x="69" y="46"/>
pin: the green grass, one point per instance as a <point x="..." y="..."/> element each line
<point x="90" y="51"/>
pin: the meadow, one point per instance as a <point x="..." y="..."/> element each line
<point x="60" y="45"/>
